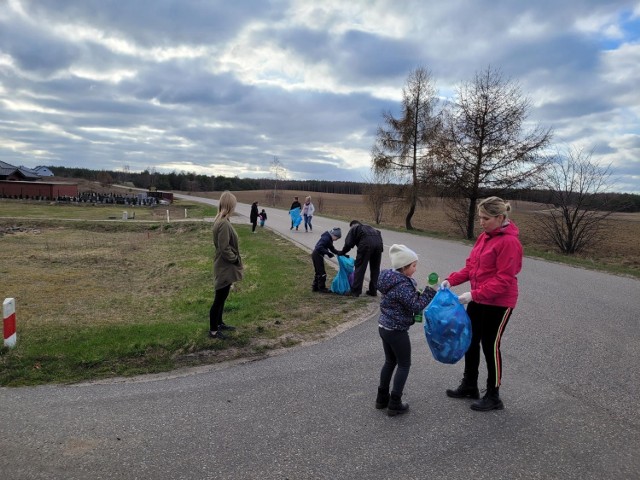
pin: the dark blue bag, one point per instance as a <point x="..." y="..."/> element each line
<point x="447" y="327"/>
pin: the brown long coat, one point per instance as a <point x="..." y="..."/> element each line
<point x="227" y="264"/>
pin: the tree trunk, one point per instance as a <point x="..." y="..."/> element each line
<point x="412" y="210"/>
<point x="471" y="217"/>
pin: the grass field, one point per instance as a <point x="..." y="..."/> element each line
<point x="97" y="298"/>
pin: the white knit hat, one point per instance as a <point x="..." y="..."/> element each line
<point x="401" y="256"/>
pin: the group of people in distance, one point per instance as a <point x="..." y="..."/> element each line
<point x="306" y="212"/>
<point x="491" y="270"/>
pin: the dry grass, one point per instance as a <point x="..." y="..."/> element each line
<point x="618" y="248"/>
<point x="99" y="299"/>
<point x="75" y="269"/>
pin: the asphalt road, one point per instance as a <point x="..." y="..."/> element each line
<point x="571" y="356"/>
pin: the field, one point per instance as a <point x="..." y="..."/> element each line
<point x="617" y="252"/>
<point x="98" y="298"/>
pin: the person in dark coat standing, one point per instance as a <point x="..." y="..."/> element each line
<point x="368" y="241"/>
<point x="322" y="248"/>
<point x="227" y="264"/>
<point x="253" y="216"/>
<point x="295" y="204"/>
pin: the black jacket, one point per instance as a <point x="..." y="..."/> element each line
<point x="362" y="236"/>
<point x="325" y="246"/>
<point x="253" y="217"/>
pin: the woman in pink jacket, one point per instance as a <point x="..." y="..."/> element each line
<point x="491" y="269"/>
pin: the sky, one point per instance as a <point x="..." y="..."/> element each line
<point x="226" y="87"/>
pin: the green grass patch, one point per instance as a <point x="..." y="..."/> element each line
<point x="96" y="300"/>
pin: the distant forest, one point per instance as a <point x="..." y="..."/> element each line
<point x="191" y="182"/>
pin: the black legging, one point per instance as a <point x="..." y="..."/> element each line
<point x="215" y="314"/>
<point x="397" y="352"/>
<point x="487" y="326"/>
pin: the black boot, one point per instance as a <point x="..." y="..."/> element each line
<point x="382" y="400"/>
<point x="314" y="285"/>
<point x="468" y="389"/>
<point x="490" y="401"/>
<point x="396" y="407"/>
<point x="322" y="284"/>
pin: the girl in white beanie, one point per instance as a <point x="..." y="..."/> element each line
<point x="401" y="301"/>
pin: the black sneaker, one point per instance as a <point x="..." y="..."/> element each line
<point x="217" y="334"/>
<point x="224" y="326"/>
<point x="372" y="294"/>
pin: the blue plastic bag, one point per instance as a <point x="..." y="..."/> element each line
<point x="296" y="218"/>
<point x="341" y="283"/>
<point x="447" y="327"/>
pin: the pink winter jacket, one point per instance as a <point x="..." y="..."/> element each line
<point x="492" y="266"/>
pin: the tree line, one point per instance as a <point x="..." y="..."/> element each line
<point x="192" y="182"/>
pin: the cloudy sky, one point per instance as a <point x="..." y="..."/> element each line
<point x="224" y="87"/>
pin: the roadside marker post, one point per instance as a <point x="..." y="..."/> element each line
<point x="9" y="322"/>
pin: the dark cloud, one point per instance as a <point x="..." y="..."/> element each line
<point x="35" y="50"/>
<point x="159" y="22"/>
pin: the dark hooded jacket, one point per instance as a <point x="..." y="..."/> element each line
<point x="401" y="300"/>
<point x="325" y="246"/>
<point x="364" y="237"/>
<point x="253" y="216"/>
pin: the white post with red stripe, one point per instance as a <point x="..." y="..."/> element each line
<point x="9" y="322"/>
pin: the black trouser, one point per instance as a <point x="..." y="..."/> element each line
<point x="487" y="325"/>
<point x="254" y="223"/>
<point x="373" y="257"/>
<point x="215" y="314"/>
<point x="397" y="353"/>
<point x="318" y="263"/>
<point x="320" y="279"/>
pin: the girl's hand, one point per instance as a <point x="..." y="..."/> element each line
<point x="465" y="298"/>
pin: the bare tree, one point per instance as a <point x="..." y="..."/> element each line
<point x="279" y="173"/>
<point x="483" y="147"/>
<point x="105" y="178"/>
<point x="457" y="209"/>
<point x="578" y="202"/>
<point x="404" y="144"/>
<point x="377" y="192"/>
